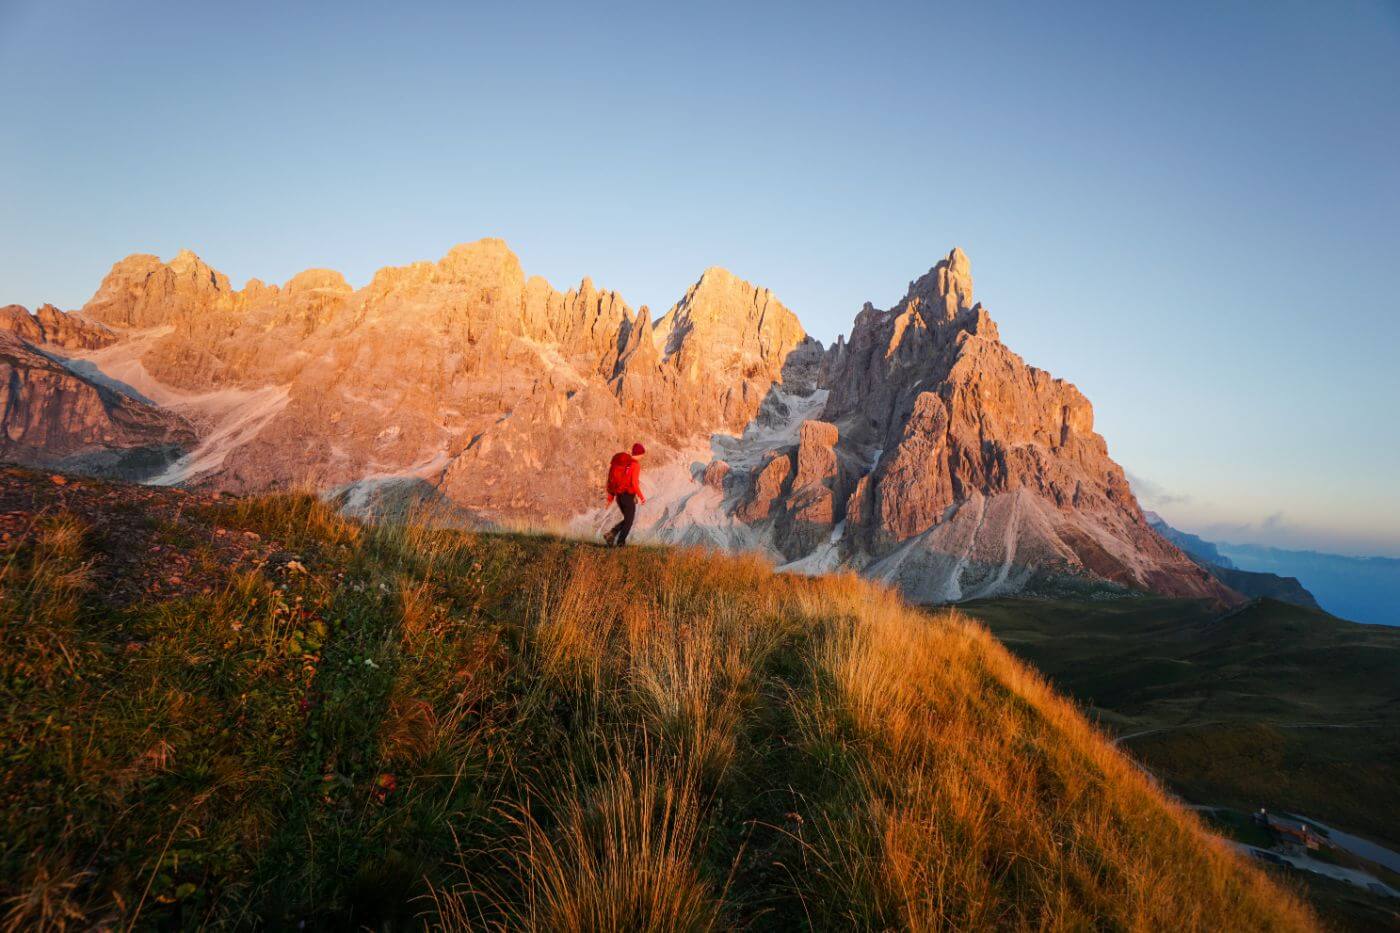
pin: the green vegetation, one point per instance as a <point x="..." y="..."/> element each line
<point x="1274" y="705"/>
<point x="257" y="712"/>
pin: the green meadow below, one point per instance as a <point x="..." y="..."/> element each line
<point x="1272" y="706"/>
<point x="254" y="712"/>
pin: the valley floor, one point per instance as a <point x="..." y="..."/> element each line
<point x="1271" y="706"/>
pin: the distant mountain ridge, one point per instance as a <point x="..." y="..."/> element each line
<point x="1253" y="584"/>
<point x="922" y="451"/>
<point x="1195" y="546"/>
<point x="1364" y="589"/>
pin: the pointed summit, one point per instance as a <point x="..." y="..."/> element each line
<point x="945" y="289"/>
<point x="185" y="259"/>
<point x="718" y="277"/>
<point x="728" y="314"/>
<point x="957" y="261"/>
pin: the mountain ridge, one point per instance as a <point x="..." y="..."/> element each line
<point x="937" y="459"/>
<point x="1253" y="584"/>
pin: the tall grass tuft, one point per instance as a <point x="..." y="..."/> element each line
<point x="617" y="853"/>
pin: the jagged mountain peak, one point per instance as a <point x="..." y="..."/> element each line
<point x="142" y="291"/>
<point x="919" y="449"/>
<point x="488" y="258"/>
<point x="730" y="314"/>
<point x="486" y="246"/>
<point x="947" y="287"/>
<point x="186" y="259"/>
<point x="956" y="469"/>
<point x="720" y="277"/>
<point x="719" y="292"/>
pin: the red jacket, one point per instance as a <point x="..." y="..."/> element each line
<point x="631" y="479"/>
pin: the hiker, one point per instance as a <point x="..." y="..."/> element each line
<point x="624" y="485"/>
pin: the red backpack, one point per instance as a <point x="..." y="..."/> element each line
<point x="617" y="472"/>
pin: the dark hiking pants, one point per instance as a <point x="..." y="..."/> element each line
<point x="627" y="502"/>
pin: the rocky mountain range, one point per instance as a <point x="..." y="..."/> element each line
<point x="921" y="451"/>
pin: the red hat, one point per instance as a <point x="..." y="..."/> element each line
<point x="638" y="450"/>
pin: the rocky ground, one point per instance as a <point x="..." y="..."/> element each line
<point x="148" y="543"/>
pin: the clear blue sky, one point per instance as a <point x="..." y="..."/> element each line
<point x="1191" y="210"/>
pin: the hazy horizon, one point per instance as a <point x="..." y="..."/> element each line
<point x="1193" y="215"/>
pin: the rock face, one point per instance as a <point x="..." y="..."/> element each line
<point x="502" y="393"/>
<point x="921" y="451"/>
<point x="51" y="326"/>
<point x="141" y="291"/>
<point x="725" y="343"/>
<point x="945" y="464"/>
<point x="54" y="418"/>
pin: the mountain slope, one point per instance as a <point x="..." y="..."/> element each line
<point x="1245" y="582"/>
<point x="473" y="730"/>
<point x="53" y="417"/>
<point x="462" y="373"/>
<point x="1323" y="693"/>
<point x="923" y="452"/>
<point x="934" y="458"/>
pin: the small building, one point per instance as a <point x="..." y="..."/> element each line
<point x="1293" y="836"/>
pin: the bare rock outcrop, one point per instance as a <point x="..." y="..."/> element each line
<point x="461" y="372"/>
<point x="987" y="475"/>
<point x="768" y="487"/>
<point x="50" y="326"/>
<point x="53" y="418"/>
<point x="921" y="449"/>
<point x="141" y="291"/>
<point x="816" y="454"/>
<point x="16" y="320"/>
<point x="715" y="473"/>
<point x="725" y="343"/>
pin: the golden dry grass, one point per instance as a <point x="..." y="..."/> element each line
<point x="945" y="786"/>
<point x="514" y="732"/>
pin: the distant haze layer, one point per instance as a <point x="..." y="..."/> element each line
<point x="1363" y="589"/>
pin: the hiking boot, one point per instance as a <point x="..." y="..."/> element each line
<point x="608" y="537"/>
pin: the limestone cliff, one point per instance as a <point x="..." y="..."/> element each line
<point x="944" y="463"/>
<point x="52" y="417"/>
<point x="500" y="391"/>
<point x="921" y="451"/>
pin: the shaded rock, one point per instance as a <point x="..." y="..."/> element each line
<point x="1253" y="584"/>
<point x="768" y="486"/>
<point x="54" y="419"/>
<point x="715" y="473"/>
<point x="816" y="454"/>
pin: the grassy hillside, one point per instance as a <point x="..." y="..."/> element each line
<point x="225" y="713"/>
<point x="1274" y="705"/>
